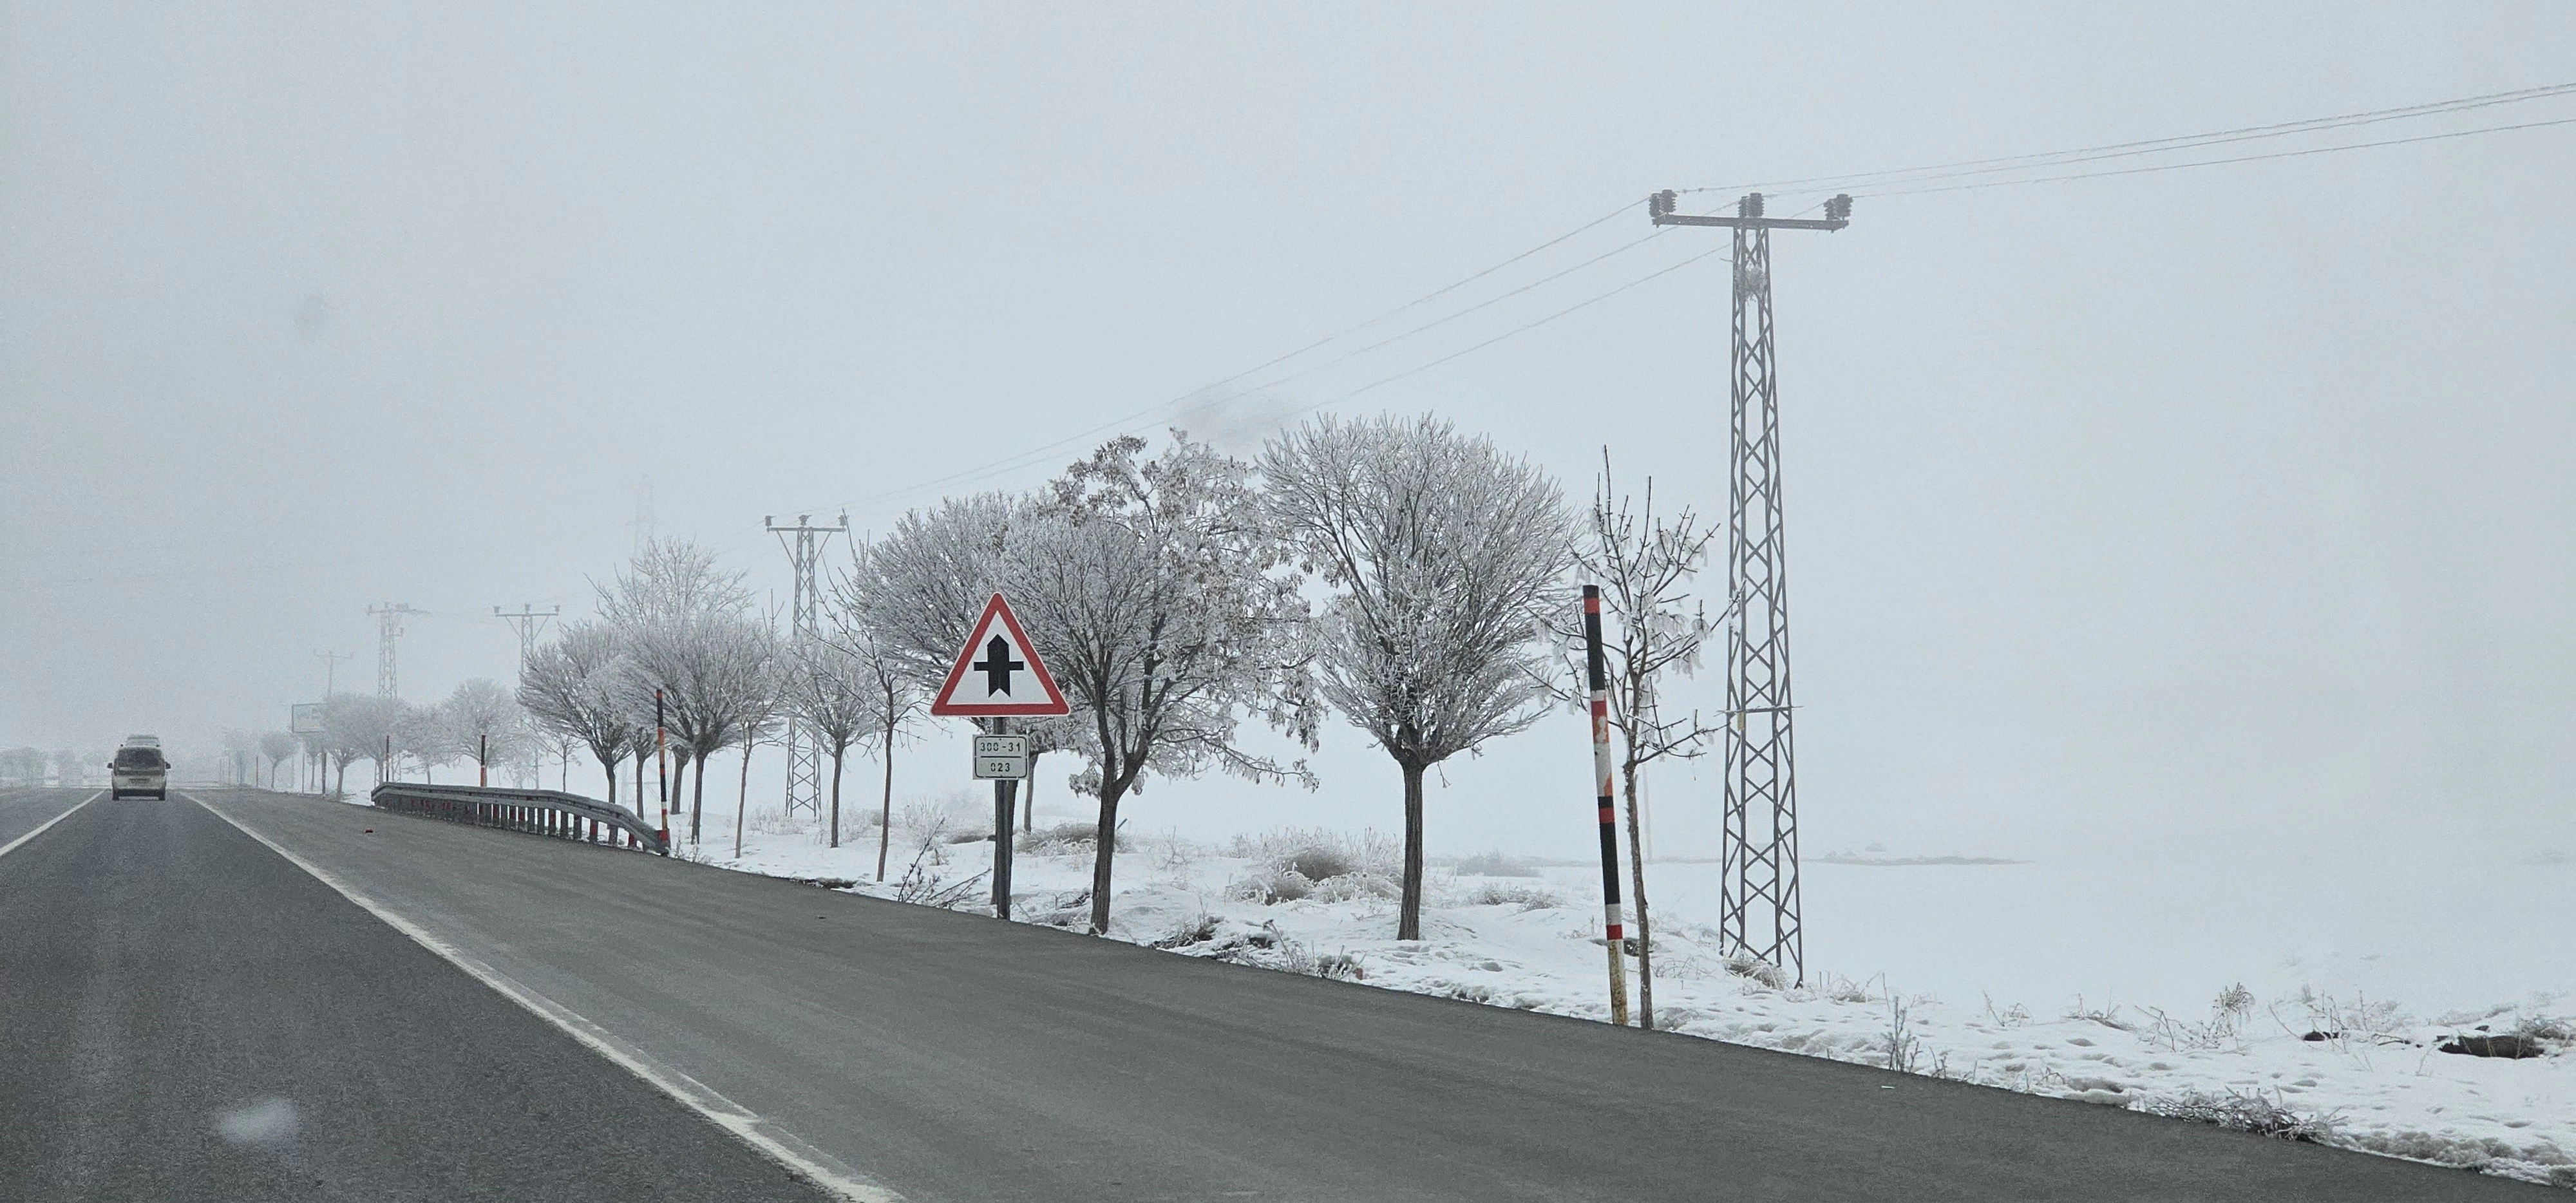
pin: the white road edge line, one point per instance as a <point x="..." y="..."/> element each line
<point x="801" y="1159"/>
<point x="12" y="846"/>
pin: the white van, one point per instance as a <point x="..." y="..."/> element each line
<point x="138" y="769"/>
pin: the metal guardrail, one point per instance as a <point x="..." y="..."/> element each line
<point x="540" y="811"/>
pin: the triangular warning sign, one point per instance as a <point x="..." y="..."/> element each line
<point x="997" y="674"/>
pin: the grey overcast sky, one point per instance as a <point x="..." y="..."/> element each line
<point x="2116" y="506"/>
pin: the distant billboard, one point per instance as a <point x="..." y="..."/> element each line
<point x="306" y="718"/>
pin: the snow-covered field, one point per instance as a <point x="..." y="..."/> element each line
<point x="2076" y="979"/>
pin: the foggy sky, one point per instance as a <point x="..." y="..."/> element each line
<point x="2116" y="507"/>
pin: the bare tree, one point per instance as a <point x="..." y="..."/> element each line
<point x="572" y="686"/>
<point x="1168" y="612"/>
<point x="276" y="746"/>
<point x="1442" y="552"/>
<point x="1644" y="565"/>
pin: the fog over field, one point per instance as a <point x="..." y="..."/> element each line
<point x="2224" y="512"/>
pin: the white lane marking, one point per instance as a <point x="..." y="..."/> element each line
<point x="801" y="1159"/>
<point x="12" y="846"/>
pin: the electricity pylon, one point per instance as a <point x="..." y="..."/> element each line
<point x="389" y="628"/>
<point x="804" y="552"/>
<point x="529" y="622"/>
<point x="1758" y="864"/>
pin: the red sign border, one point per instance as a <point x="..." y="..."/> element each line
<point x="943" y="708"/>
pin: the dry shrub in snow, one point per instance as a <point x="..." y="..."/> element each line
<point x="1755" y="969"/>
<point x="770" y="820"/>
<point x="1323" y="865"/>
<point x="1528" y="897"/>
<point x="1494" y="864"/>
<point x="2244" y="1112"/>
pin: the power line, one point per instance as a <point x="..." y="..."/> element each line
<point x="2060" y="158"/>
<point x="2278" y="154"/>
<point x="1121" y="423"/>
<point x="1894" y="182"/>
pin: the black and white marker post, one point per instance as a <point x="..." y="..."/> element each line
<point x="1597" y="676"/>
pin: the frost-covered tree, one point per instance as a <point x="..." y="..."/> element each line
<point x="1651" y="625"/>
<point x="483" y="723"/>
<point x="276" y="746"/>
<point x="669" y="586"/>
<point x="1441" y="552"/>
<point x="358" y="727"/>
<point x="572" y="687"/>
<point x="908" y="603"/>
<point x="1168" y="611"/>
<point x="1066" y="733"/>
<point x="835" y="700"/>
<point x="240" y="749"/>
<point x="763" y="709"/>
<point x="896" y="694"/>
<point x="712" y="669"/>
<point x="421" y="733"/>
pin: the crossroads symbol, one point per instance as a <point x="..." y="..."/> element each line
<point x="997" y="666"/>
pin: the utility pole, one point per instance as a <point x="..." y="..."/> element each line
<point x="1758" y="863"/>
<point x="530" y="622"/>
<point x="389" y="628"/>
<point x="804" y="552"/>
<point x="331" y="669"/>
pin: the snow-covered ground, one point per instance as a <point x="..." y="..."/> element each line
<point x="2072" y="979"/>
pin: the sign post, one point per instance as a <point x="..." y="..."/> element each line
<point x="998" y="677"/>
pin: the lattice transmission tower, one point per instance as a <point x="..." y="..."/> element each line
<point x="388" y="628"/>
<point x="529" y="622"/>
<point x="1758" y="907"/>
<point x="805" y="553"/>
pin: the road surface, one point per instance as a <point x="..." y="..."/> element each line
<point x="899" y="1052"/>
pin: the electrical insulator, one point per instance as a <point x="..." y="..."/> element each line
<point x="1839" y="208"/>
<point x="1752" y="206"/>
<point x="1661" y="203"/>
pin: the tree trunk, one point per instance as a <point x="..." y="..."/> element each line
<point x="1637" y="883"/>
<point x="698" y="802"/>
<point x="742" y="797"/>
<point x="885" y="815"/>
<point x="1104" y="842"/>
<point x="608" y="769"/>
<point x="639" y="784"/>
<point x="1029" y="804"/>
<point x="1408" y="915"/>
<point x="837" y="750"/>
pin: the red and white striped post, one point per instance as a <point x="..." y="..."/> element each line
<point x="1598" y="677"/>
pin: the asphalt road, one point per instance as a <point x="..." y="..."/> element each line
<point x="24" y="810"/>
<point x="184" y="1015"/>
<point x="177" y="970"/>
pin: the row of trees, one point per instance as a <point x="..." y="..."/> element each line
<point x="479" y="724"/>
<point x="1415" y="580"/>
